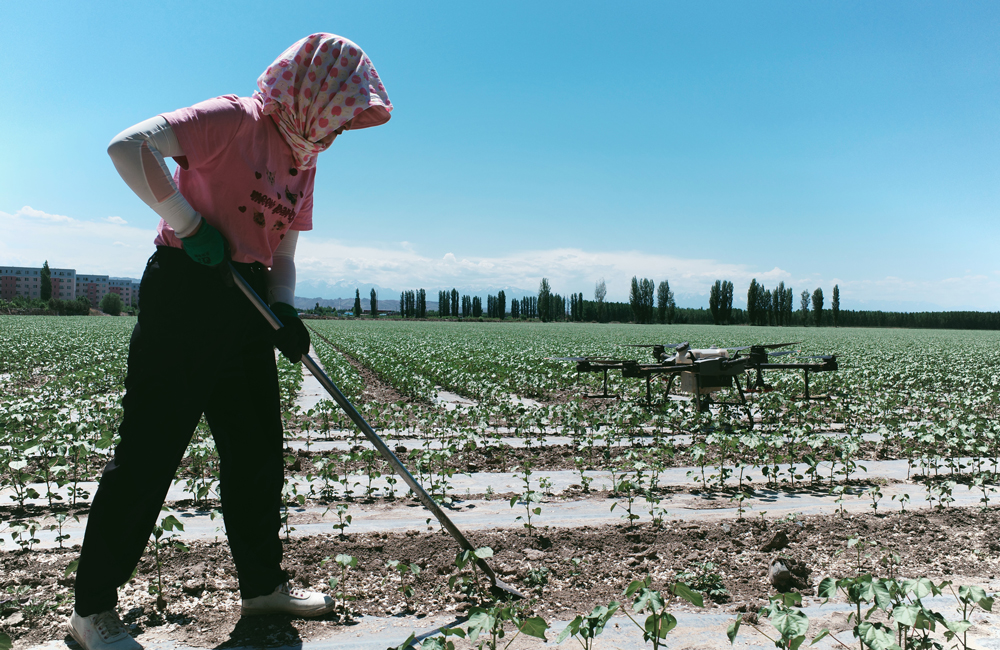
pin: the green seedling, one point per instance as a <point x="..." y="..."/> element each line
<point x="23" y="533"/>
<point x="586" y="629"/>
<point x="875" y="494"/>
<point x="538" y="578"/>
<point x="702" y="577"/>
<point x="339" y="584"/>
<point x="343" y="520"/>
<point x="408" y="576"/>
<point x="528" y="498"/>
<point x="160" y="542"/>
<point x="790" y="623"/>
<point x="464" y="558"/>
<point x="660" y="622"/>
<point x="60" y="519"/>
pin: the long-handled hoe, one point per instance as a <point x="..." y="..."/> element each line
<point x="499" y="587"/>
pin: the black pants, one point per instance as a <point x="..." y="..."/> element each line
<point x="199" y="347"/>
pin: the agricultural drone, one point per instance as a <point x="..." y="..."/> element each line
<point x="707" y="370"/>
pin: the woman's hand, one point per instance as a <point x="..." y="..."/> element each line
<point x="293" y="338"/>
<point x="205" y="245"/>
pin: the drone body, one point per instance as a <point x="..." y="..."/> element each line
<point x="703" y="371"/>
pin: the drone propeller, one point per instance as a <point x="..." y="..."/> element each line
<point x="773" y="346"/>
<point x="782" y="353"/>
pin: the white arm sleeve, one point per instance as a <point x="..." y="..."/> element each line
<point x="137" y="153"/>
<point x="281" y="277"/>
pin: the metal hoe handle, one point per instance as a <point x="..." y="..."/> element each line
<point x="373" y="437"/>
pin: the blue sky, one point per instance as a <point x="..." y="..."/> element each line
<point x="807" y="142"/>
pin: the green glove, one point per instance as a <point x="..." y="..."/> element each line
<point x="293" y="338"/>
<point x="207" y="246"/>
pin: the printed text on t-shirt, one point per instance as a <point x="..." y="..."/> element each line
<point x="268" y="202"/>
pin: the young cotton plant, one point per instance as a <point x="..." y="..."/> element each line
<point x="160" y="542"/>
<point x="339" y="584"/>
<point x="585" y="629"/>
<point x="488" y="623"/>
<point x="409" y="573"/>
<point x="659" y="622"/>
<point x="790" y="623"/>
<point x="463" y="558"/>
<point x="528" y="497"/>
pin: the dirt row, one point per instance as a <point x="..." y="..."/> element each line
<point x="565" y="571"/>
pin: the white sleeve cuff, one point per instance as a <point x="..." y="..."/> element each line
<point x="281" y="277"/>
<point x="137" y="153"/>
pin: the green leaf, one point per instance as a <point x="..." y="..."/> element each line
<point x="790" y="599"/>
<point x="683" y="591"/>
<point x="453" y="631"/>
<point x="790" y="623"/>
<point x="569" y="630"/>
<point x="484" y="552"/>
<point x="5" y="642"/>
<point x="734" y="629"/>
<point x="906" y="615"/>
<point x="634" y="586"/>
<point x="535" y="627"/>
<point x="665" y="621"/>
<point x="958" y="627"/>
<point x="71" y="568"/>
<point x="649" y="599"/>
<point x="881" y="592"/>
<point x="480" y="620"/>
<point x="827" y="588"/>
<point x="877" y="637"/>
<point x="921" y="587"/>
<point x="436" y="643"/>
<point x="345" y="560"/>
<point x="822" y="633"/>
<point x="976" y="595"/>
<point x="170" y="522"/>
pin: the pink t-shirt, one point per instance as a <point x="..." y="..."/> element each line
<point x="241" y="177"/>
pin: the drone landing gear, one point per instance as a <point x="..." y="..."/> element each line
<point x="807" y="396"/>
<point x="605" y="394"/>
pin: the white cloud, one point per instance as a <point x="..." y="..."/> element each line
<point x="29" y="236"/>
<point x="327" y="262"/>
<point x="108" y="246"/>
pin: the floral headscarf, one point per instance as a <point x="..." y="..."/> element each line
<point x="317" y="85"/>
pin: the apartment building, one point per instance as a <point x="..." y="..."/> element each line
<point x="127" y="288"/>
<point x="93" y="287"/>
<point x="27" y="282"/>
<point x="66" y="285"/>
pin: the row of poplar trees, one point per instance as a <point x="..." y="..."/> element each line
<point x="450" y="304"/>
<point x="640" y="299"/>
<point x="413" y="304"/>
<point x="777" y="306"/>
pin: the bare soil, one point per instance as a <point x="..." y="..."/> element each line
<point x="376" y="390"/>
<point x="586" y="567"/>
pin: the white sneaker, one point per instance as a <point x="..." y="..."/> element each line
<point x="286" y="599"/>
<point x="103" y="631"/>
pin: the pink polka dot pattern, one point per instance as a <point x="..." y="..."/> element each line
<point x="317" y="85"/>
